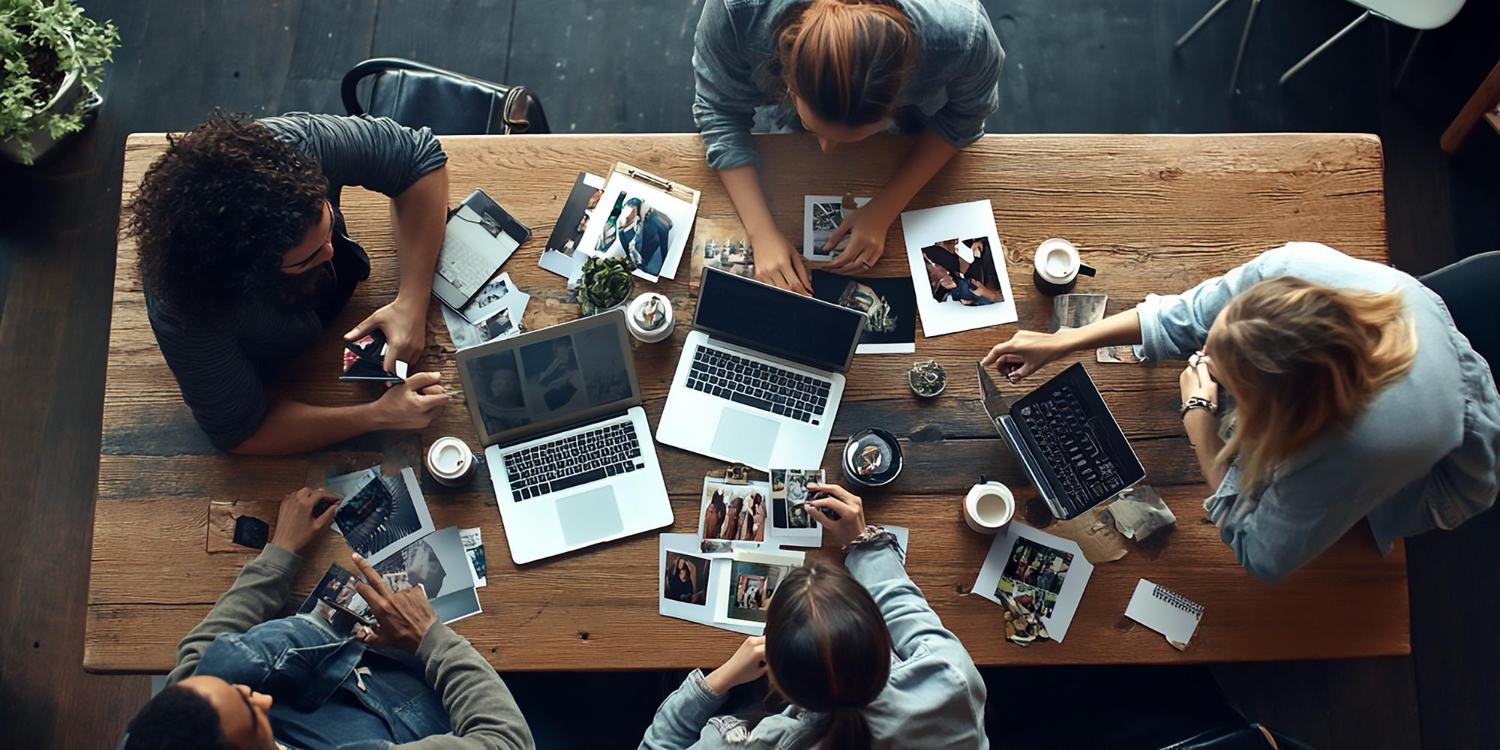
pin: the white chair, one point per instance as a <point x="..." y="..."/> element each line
<point x="1244" y="36"/>
<point x="1421" y="15"/>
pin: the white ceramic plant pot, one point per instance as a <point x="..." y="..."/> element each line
<point x="41" y="141"/>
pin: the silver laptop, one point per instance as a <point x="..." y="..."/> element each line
<point x="567" y="443"/>
<point x="761" y="374"/>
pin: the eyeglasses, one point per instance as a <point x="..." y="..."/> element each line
<point x="303" y="263"/>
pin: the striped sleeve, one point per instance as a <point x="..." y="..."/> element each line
<point x="217" y="379"/>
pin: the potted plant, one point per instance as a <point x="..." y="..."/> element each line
<point x="604" y="283"/>
<point x="52" y="57"/>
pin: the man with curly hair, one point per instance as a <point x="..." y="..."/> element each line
<point x="246" y="260"/>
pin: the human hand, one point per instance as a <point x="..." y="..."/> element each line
<point x="1025" y="353"/>
<point x="849" y="508"/>
<point x="405" y="326"/>
<point x="1196" y="380"/>
<point x="779" y="264"/>
<point x="413" y="404"/>
<point x="402" y="618"/>
<point x="300" y="520"/>
<point x="866" y="228"/>
<point x="747" y="665"/>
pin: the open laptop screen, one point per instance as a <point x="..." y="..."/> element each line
<point x="777" y="322"/>
<point x="545" y="380"/>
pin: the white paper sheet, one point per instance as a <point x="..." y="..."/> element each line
<point x="680" y="212"/>
<point x="377" y="533"/>
<point x="965" y="222"/>
<point x="716" y="578"/>
<point x="1165" y="611"/>
<point x="1044" y="552"/>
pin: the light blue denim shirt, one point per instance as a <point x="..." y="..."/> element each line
<point x="1422" y="455"/>
<point x="934" y="698"/>
<point x="953" y="88"/>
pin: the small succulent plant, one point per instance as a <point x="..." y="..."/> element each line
<point x="604" y="283"/>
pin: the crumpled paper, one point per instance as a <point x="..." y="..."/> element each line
<point x="1139" y="512"/>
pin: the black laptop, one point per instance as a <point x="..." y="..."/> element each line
<point x="1069" y="442"/>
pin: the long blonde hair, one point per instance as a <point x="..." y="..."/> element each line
<point x="1302" y="359"/>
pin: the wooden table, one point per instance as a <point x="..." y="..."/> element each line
<point x="1153" y="214"/>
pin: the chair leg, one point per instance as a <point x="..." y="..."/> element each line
<point x="1239" y="57"/>
<point x="1206" y="16"/>
<point x="1323" y="46"/>
<point x="1406" y="63"/>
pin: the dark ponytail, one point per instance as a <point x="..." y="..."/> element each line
<point x="828" y="650"/>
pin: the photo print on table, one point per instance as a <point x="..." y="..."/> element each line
<point x="958" y="268"/>
<point x="734" y="512"/>
<point x="335" y="601"/>
<point x="889" y="305"/>
<point x="821" y="216"/>
<point x="379" y="513"/>
<point x="438" y="563"/>
<point x="1077" y="310"/>
<point x="644" y="218"/>
<point x="1030" y="571"/>
<point x="789" y="496"/>
<point x="1037" y="571"/>
<point x="561" y="256"/>
<point x="751" y="586"/>
<point x="495" y="312"/>
<point x="686" y="579"/>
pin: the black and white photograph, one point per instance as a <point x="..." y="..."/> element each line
<point x="493" y="297"/>
<point x="335" y="601"/>
<point x="822" y="215"/>
<point x="643" y="218"/>
<point x="1077" y="310"/>
<point x="473" y="541"/>
<point x="789" y="496"/>
<point x="500" y="325"/>
<point x="889" y="305"/>
<point x="495" y="383"/>
<point x="958" y="268"/>
<point x="735" y="512"/>
<point x="496" y="312"/>
<point x="686" y="579"/>
<point x="751" y="586"/>
<point x="553" y="379"/>
<point x="379" y="512"/>
<point x="561" y="255"/>
<point x="1116" y="355"/>
<point x="438" y="563"/>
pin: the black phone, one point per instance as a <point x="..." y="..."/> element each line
<point x="364" y="361"/>
<point x="250" y="531"/>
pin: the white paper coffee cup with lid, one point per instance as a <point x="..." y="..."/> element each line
<point x="450" y="461"/>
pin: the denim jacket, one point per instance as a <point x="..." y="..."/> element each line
<point x="1422" y="454"/>
<point x="953" y="88"/>
<point x="324" y="685"/>
<point x="935" y="693"/>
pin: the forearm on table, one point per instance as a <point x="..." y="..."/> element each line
<point x="930" y="155"/>
<point x="1203" y="434"/>
<point x="743" y="186"/>
<point x="1119" y="329"/>
<point x="419" y="216"/>
<point x="295" y="427"/>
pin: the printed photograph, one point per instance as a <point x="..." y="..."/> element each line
<point x="552" y="373"/>
<point x="751" y="586"/>
<point x="962" y="272"/>
<point x="490" y="299"/>
<point x="731" y="255"/>
<point x="417" y="564"/>
<point x="496" y="383"/>
<point x="735" y="512"/>
<point x="439" y="564"/>
<point x="822" y="216"/>
<point x="789" y="496"/>
<point x="1118" y="355"/>
<point x="333" y="600"/>
<point x="377" y="515"/>
<point x="889" y="305"/>
<point x="1077" y="310"/>
<point x="561" y="254"/>
<point x="1037" y="566"/>
<point x="637" y="230"/>
<point x="686" y="579"/>
<point x="1028" y="598"/>
<point x="473" y="542"/>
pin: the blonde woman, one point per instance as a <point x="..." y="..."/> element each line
<point x="1354" y="397"/>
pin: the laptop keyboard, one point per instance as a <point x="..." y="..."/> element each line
<point x="574" y="460"/>
<point x="1066" y="437"/>
<point x="758" y="384"/>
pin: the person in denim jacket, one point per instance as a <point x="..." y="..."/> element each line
<point x="1356" y="397"/>
<point x="843" y="70"/>
<point x="857" y="656"/>
<point x="249" y="682"/>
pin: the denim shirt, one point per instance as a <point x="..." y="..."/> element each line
<point x="954" y="86"/>
<point x="934" y="694"/>
<point x="1422" y="454"/>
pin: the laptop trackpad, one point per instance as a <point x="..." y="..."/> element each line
<point x="745" y="437"/>
<point x="589" y="516"/>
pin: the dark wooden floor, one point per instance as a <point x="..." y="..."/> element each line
<point x="1078" y="66"/>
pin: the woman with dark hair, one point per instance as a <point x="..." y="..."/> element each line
<point x="843" y="70"/>
<point x="855" y="656"/>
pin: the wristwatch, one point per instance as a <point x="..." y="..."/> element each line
<point x="1197" y="402"/>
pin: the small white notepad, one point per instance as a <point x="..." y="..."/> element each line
<point x="1165" y="611"/>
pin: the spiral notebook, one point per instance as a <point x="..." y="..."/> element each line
<point x="1165" y="611"/>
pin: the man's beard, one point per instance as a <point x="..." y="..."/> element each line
<point x="297" y="291"/>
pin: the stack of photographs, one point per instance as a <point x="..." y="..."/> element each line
<point x="335" y="602"/>
<point x="958" y="268"/>
<point x="495" y="312"/>
<point x="642" y="217"/>
<point x="730" y="591"/>
<point x="1041" y="573"/>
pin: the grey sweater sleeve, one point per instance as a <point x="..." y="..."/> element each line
<point x="256" y="596"/>
<point x="480" y="707"/>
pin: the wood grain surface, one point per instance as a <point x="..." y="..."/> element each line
<point x="1151" y="213"/>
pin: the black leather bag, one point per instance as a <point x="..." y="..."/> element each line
<point x="419" y="95"/>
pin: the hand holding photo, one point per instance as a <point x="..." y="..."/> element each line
<point x="438" y="563"/>
<point x="958" y="268"/>
<point x="335" y="601"/>
<point x="379" y="514"/>
<point x="734" y="512"/>
<point x="822" y="215"/>
<point x="364" y="360"/>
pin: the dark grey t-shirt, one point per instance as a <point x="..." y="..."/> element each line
<point x="222" y="369"/>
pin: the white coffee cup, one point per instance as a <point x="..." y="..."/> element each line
<point x="989" y="507"/>
<point x="450" y="461"/>
<point x="1058" y="266"/>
